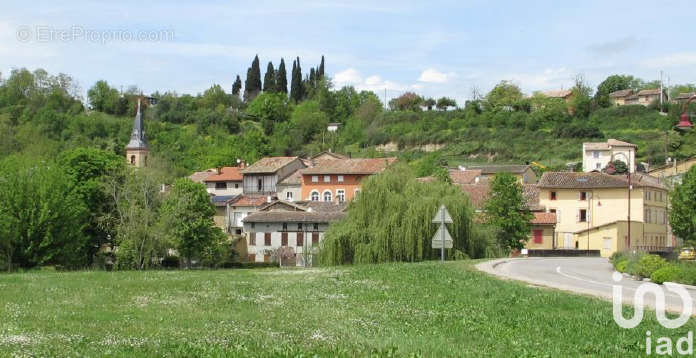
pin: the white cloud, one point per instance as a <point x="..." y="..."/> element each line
<point x="432" y="75"/>
<point x="375" y="83"/>
<point x="548" y="79"/>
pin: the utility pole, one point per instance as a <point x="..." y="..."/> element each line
<point x="630" y="187"/>
<point x="661" y="91"/>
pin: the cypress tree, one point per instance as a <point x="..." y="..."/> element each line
<point x="269" y="82"/>
<point x="281" y="80"/>
<point x="296" y="90"/>
<point x="252" y="86"/>
<point x="320" y="71"/>
<point x="312" y="78"/>
<point x="237" y="86"/>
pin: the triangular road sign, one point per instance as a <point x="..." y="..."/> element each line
<point x="442" y="216"/>
<point x="437" y="238"/>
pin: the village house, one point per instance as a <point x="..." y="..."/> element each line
<point x="618" y="98"/>
<point x="262" y="177"/>
<point x="645" y="97"/>
<point x="290" y="232"/>
<point x="565" y="95"/>
<point x="225" y="181"/>
<point x="242" y="206"/>
<point x="339" y="180"/>
<point x="683" y="97"/>
<point x="290" y="188"/>
<point x="592" y="209"/>
<point x="596" y="156"/>
<point x="200" y="177"/>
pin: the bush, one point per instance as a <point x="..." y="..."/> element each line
<point x="617" y="257"/>
<point x="668" y="272"/>
<point x="170" y="261"/>
<point x="621" y="265"/>
<point x="649" y="264"/>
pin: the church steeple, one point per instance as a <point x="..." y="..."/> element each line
<point x="136" y="150"/>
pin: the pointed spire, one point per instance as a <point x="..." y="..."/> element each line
<point x="138" y="140"/>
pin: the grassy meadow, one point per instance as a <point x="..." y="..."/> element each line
<point x="426" y="309"/>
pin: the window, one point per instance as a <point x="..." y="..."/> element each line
<point x="316" y="226"/>
<point x="284" y="239"/>
<point x="288" y="196"/>
<point x="315" y="238"/>
<point x="300" y="240"/>
<point x="595" y="154"/>
<point x="253" y="225"/>
<point x="327" y="196"/>
<point x="357" y="191"/>
<point x="649" y="195"/>
<point x="220" y="186"/>
<point x="583" y="195"/>
<point x="582" y="217"/>
<point x="299" y="226"/>
<point x="259" y="185"/>
<point x="315" y="178"/>
<point x="341" y="195"/>
<point x="314" y="196"/>
<point x="327" y="178"/>
<point x="553" y="195"/>
<point x="252" y="239"/>
<point x="267" y="239"/>
<point x="252" y="257"/>
<point x="538" y="236"/>
<point x="285" y="226"/>
<point x="236" y="185"/>
<point x="266" y="258"/>
<point x="340" y="178"/>
<point x="133" y="159"/>
<point x="607" y="243"/>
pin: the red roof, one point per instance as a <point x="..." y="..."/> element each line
<point x="544" y="218"/>
<point x="226" y="174"/>
<point x="249" y="200"/>
<point x="464" y="176"/>
<point x="478" y="194"/>
<point x="350" y="166"/>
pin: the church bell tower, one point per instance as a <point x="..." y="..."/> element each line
<point x="136" y="150"/>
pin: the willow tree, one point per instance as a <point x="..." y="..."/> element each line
<point x="390" y="220"/>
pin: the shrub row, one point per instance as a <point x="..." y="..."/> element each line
<point x="654" y="267"/>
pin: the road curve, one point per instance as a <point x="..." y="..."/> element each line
<point x="586" y="275"/>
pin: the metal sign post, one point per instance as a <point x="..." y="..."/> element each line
<point x="442" y="238"/>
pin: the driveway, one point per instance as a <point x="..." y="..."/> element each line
<point x="585" y="275"/>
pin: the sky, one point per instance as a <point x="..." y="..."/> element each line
<point x="434" y="48"/>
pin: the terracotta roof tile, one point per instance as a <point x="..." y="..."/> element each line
<point x="575" y="180"/>
<point x="621" y="93"/>
<point x="544" y="219"/>
<point x="464" y="176"/>
<point x="558" y="93"/>
<point x="478" y="194"/>
<point x="199" y="177"/>
<point x="294" y="217"/>
<point x="350" y="166"/>
<point x="249" y="200"/>
<point x="226" y="174"/>
<point x="493" y="169"/>
<point x="649" y="92"/>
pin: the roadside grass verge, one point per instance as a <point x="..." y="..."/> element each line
<point x="425" y="309"/>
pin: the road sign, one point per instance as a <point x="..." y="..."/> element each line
<point x="442" y="216"/>
<point x="438" y="241"/>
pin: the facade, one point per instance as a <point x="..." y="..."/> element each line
<point x="583" y="201"/>
<point x="339" y="180"/>
<point x="618" y="98"/>
<point x="290" y="188"/>
<point x="543" y="234"/>
<point x="221" y="217"/>
<point x="137" y="150"/>
<point x="648" y="96"/>
<point x="683" y="97"/>
<point x="242" y="206"/>
<point x="524" y="173"/>
<point x="262" y="177"/>
<point x="596" y="156"/>
<point x="225" y="181"/>
<point x="297" y="228"/>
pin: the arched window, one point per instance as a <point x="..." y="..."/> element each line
<point x="341" y="195"/>
<point x="327" y="196"/>
<point x="314" y="196"/>
<point x="133" y="159"/>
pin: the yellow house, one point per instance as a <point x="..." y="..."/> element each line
<point x="542" y="235"/>
<point x="597" y="203"/>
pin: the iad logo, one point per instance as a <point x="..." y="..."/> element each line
<point x="639" y="300"/>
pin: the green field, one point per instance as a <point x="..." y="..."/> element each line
<point x="425" y="309"/>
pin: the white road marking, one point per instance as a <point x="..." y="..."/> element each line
<point x="558" y="269"/>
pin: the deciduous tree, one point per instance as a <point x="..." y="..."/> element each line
<point x="506" y="210"/>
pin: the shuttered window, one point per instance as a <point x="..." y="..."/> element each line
<point x="267" y="239"/>
<point x="538" y="236"/>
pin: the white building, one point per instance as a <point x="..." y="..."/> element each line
<point x="596" y="156"/>
<point x="225" y="181"/>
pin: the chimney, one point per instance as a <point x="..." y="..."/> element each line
<point x="219" y="170"/>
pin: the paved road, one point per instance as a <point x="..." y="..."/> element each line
<point x="587" y="275"/>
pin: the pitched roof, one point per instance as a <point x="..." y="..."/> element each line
<point x="249" y="200"/>
<point x="683" y="96"/>
<point x="268" y="165"/>
<point x="649" y="92"/>
<point x="558" y="93"/>
<point x="621" y="93"/>
<point x="199" y="177"/>
<point x="608" y="144"/>
<point x="294" y="216"/>
<point x="331" y="154"/>
<point x="530" y="192"/>
<point x="493" y="169"/>
<point x="351" y="166"/>
<point x="478" y="194"/>
<point x="594" y="180"/>
<point x="544" y="219"/>
<point x="293" y="179"/>
<point x="464" y="176"/>
<point x="226" y="174"/>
